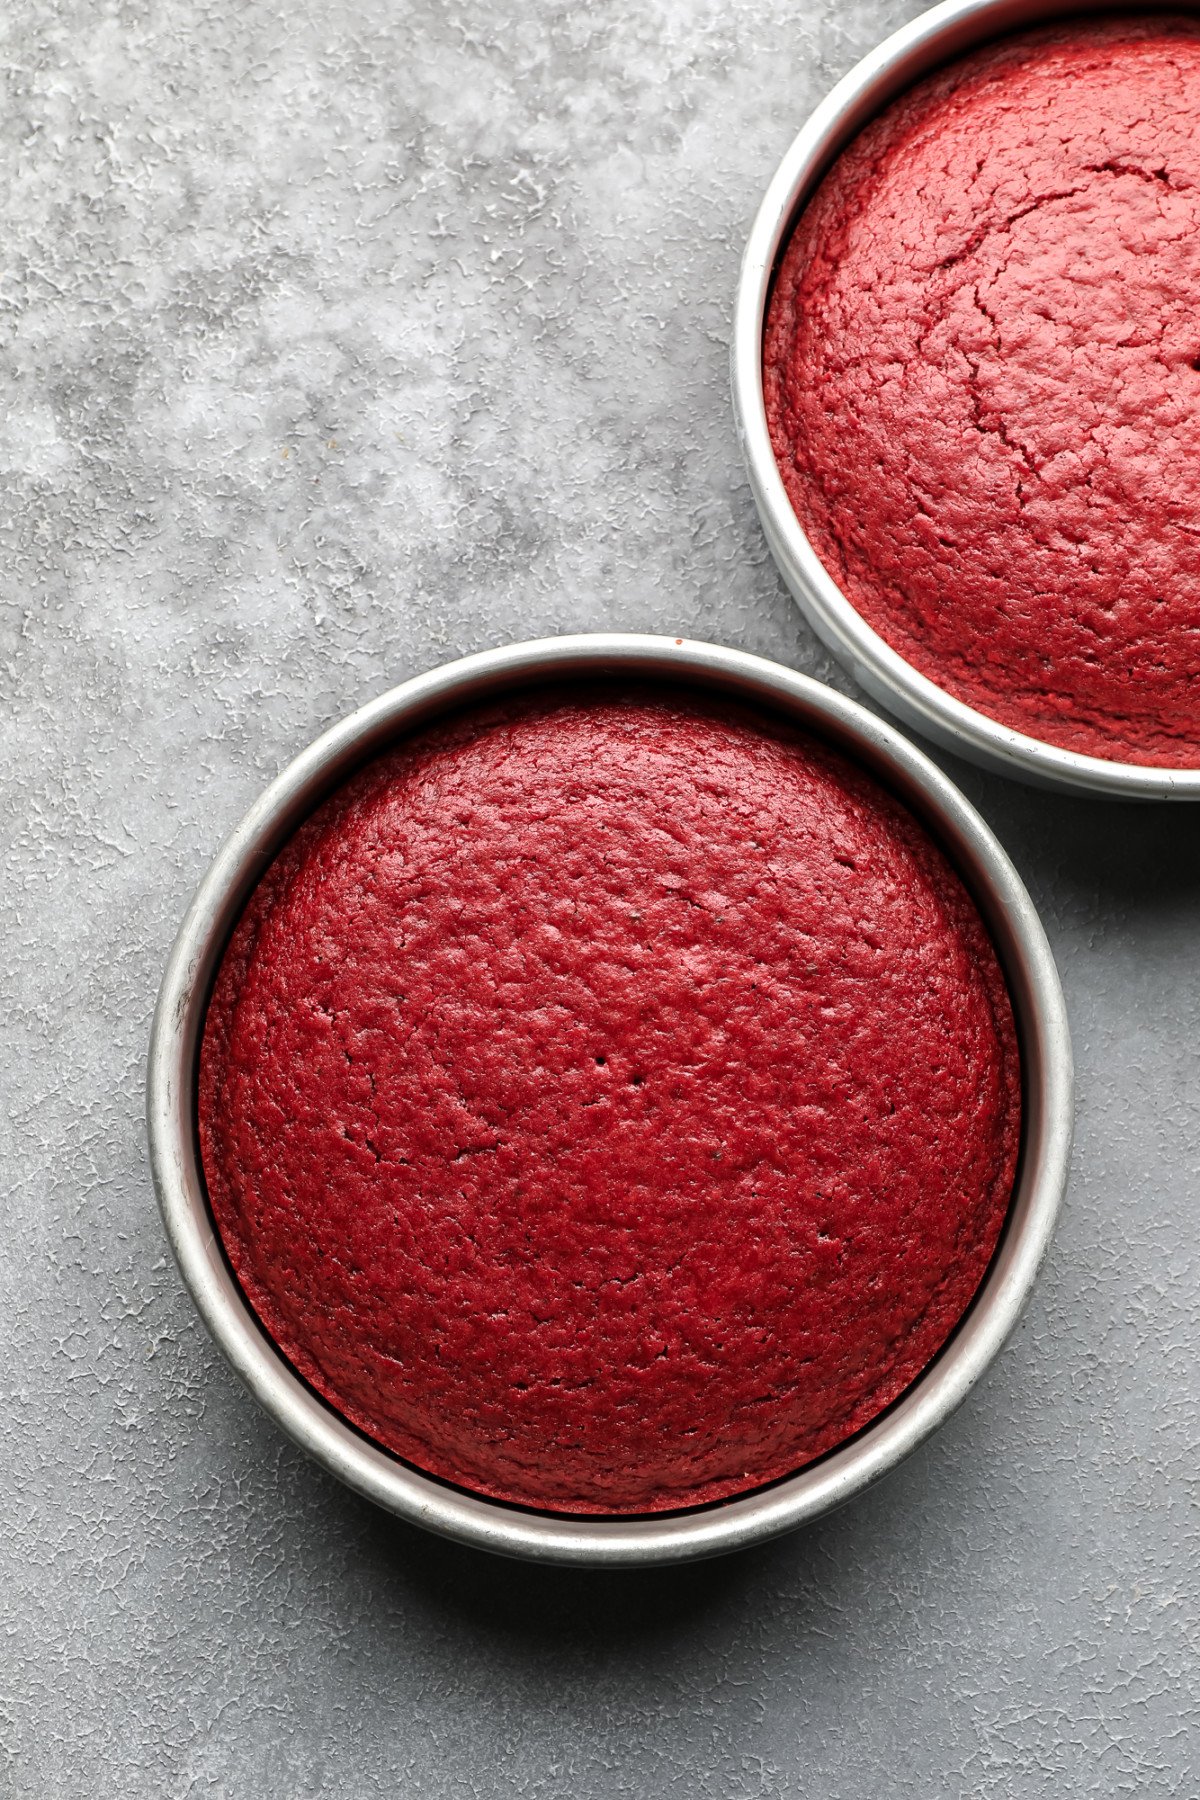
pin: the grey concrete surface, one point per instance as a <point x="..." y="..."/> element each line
<point x="336" y="341"/>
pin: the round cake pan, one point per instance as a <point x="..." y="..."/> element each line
<point x="936" y="37"/>
<point x="172" y="1086"/>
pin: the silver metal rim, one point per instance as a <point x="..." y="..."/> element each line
<point x="943" y="32"/>
<point x="171" y="1085"/>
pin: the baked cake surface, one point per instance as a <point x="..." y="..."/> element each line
<point x="982" y="372"/>
<point x="610" y="1102"/>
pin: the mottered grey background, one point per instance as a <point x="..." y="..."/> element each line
<point x="337" y="341"/>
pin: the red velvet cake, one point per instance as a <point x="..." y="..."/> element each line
<point x="982" y="370"/>
<point x="610" y="1101"/>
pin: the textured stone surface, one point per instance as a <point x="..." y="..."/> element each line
<point x="337" y="341"/>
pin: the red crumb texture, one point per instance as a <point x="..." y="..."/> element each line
<point x="610" y="1103"/>
<point x="982" y="370"/>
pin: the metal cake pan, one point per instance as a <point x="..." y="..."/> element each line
<point x="492" y="1525"/>
<point x="934" y="38"/>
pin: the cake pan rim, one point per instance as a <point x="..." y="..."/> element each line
<point x="171" y="1103"/>
<point x="927" y="42"/>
